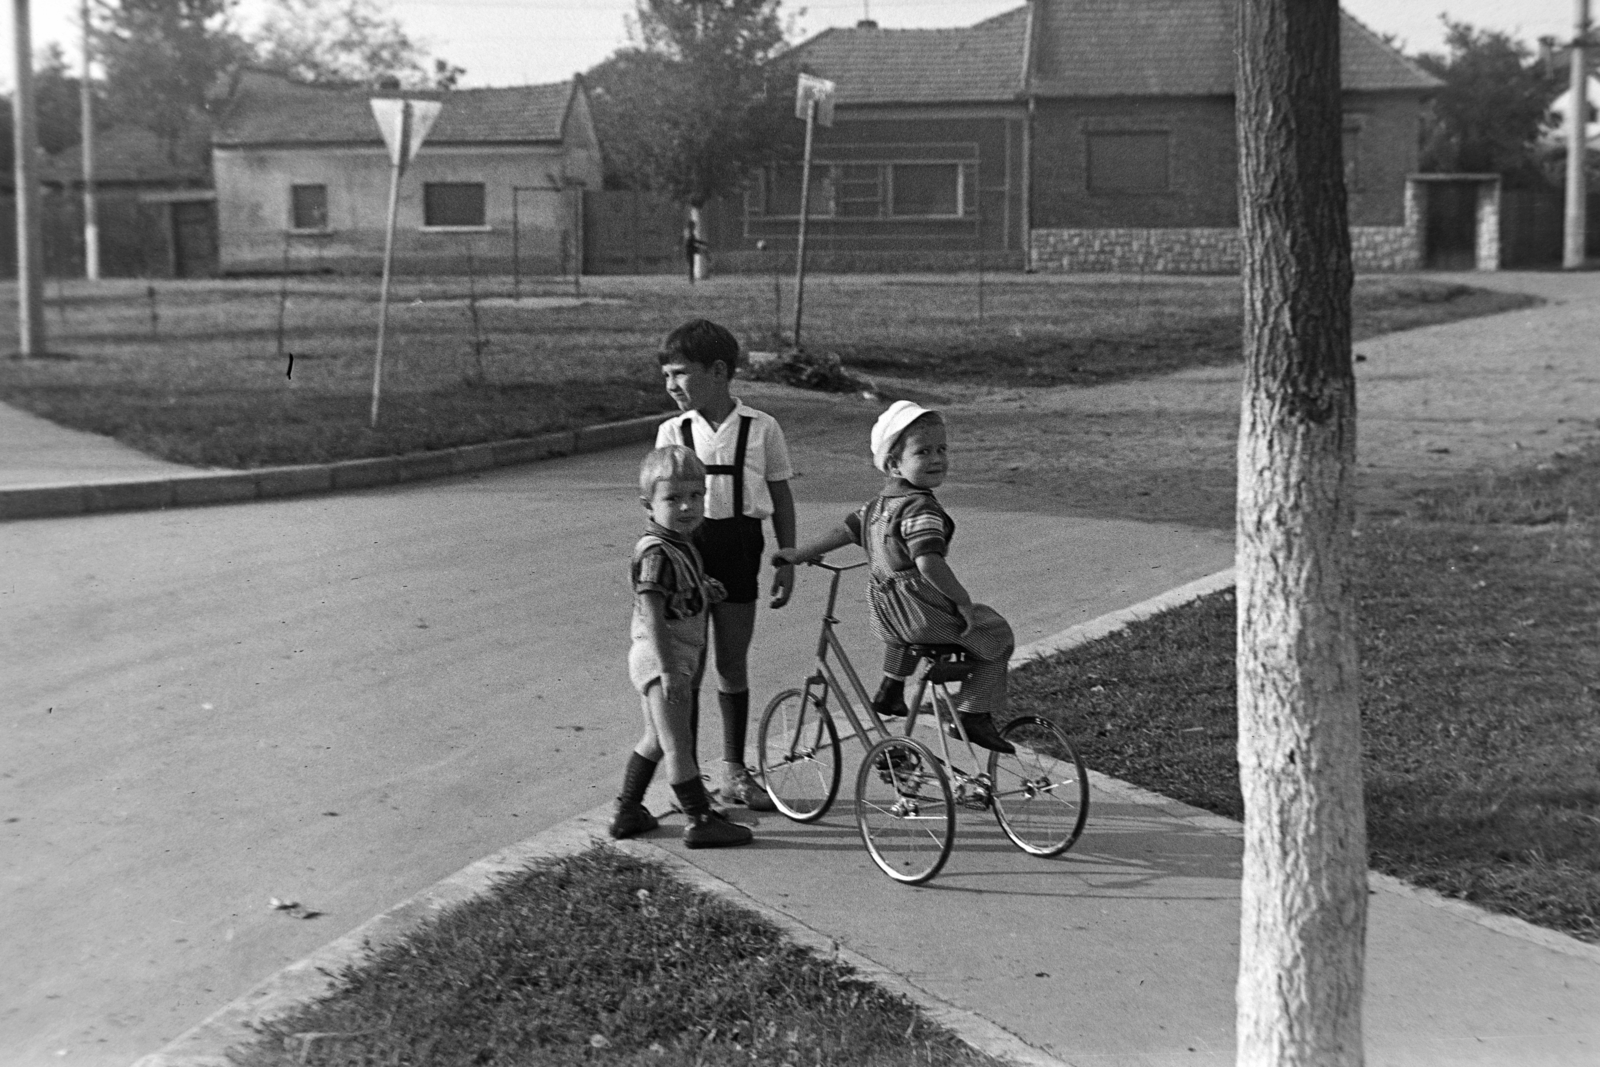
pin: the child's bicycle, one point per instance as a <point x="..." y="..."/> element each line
<point x="907" y="793"/>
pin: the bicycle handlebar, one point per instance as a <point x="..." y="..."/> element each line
<point x="834" y="567"/>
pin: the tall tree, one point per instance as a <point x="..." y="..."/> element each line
<point x="1304" y="895"/>
<point x="56" y="100"/>
<point x="165" y="60"/>
<point x="342" y="42"/>
<point x="1494" y="104"/>
<point x="698" y="100"/>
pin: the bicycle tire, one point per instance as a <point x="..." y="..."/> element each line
<point x="905" y="810"/>
<point x="797" y="749"/>
<point x="1041" y="791"/>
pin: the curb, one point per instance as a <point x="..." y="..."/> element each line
<point x="207" y="1044"/>
<point x="266" y="483"/>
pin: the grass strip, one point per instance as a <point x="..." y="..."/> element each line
<point x="207" y="383"/>
<point x="603" y="958"/>
<point x="1480" y="665"/>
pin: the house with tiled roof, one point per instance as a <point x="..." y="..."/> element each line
<point x="301" y="171"/>
<point x="1069" y="135"/>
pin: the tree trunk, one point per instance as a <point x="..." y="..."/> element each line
<point x="1303" y="901"/>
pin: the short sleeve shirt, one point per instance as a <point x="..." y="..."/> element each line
<point x="766" y="457"/>
<point x="670" y="566"/>
<point x="924" y="526"/>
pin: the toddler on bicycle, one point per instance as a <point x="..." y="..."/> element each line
<point x="672" y="599"/>
<point x="916" y="598"/>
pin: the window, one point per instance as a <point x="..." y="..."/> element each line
<point x="1128" y="163"/>
<point x="871" y="190"/>
<point x="308" y="207"/>
<point x="860" y="190"/>
<point x="453" y="204"/>
<point x="927" y="188"/>
<point x="783" y="190"/>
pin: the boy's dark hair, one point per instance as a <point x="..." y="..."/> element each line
<point x="701" y="341"/>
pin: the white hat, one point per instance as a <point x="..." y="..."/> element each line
<point x="890" y="425"/>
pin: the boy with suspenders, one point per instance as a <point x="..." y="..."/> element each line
<point x="747" y="481"/>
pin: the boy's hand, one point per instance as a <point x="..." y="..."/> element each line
<point x="786" y="557"/>
<point x="965" y="611"/>
<point x="782" y="580"/>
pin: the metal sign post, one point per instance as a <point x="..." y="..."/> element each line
<point x="813" y="101"/>
<point x="404" y="124"/>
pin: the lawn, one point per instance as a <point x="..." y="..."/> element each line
<point x="600" y="958"/>
<point x="1480" y="612"/>
<point x="199" y="372"/>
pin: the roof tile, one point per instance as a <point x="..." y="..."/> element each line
<point x="1084" y="48"/>
<point x="269" y="109"/>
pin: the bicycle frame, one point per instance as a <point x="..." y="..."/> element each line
<point x="827" y="679"/>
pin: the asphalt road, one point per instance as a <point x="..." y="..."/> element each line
<point x="339" y="700"/>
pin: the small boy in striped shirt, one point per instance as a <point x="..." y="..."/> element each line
<point x="916" y="598"/>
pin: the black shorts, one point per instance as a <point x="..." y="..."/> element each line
<point x="732" y="550"/>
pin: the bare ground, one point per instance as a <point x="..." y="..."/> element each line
<point x="1478" y="395"/>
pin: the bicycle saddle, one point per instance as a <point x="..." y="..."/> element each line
<point x="950" y="663"/>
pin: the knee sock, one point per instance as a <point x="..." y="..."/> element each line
<point x="636" y="779"/>
<point x="735" y="721"/>
<point x="692" y="797"/>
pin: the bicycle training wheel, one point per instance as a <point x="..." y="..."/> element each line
<point x="1041" y="792"/>
<point x="798" y="750"/>
<point x="904" y="809"/>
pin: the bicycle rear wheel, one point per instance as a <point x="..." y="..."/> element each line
<point x="904" y="809"/>
<point x="798" y="751"/>
<point x="1041" y="792"/>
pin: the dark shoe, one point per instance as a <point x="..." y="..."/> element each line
<point x="892" y="708"/>
<point x="632" y="820"/>
<point x="981" y="732"/>
<point x="741" y="788"/>
<point x="713" y="830"/>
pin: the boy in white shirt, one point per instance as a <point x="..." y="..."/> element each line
<point x="747" y="482"/>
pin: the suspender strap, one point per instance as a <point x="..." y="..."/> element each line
<point x="736" y="468"/>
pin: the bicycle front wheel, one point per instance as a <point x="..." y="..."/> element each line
<point x="798" y="751"/>
<point x="904" y="809"/>
<point x="1041" y="791"/>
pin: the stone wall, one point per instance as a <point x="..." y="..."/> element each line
<point x="1204" y="250"/>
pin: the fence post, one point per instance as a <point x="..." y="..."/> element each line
<point x="283" y="294"/>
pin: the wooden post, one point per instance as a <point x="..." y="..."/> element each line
<point x="516" y="249"/>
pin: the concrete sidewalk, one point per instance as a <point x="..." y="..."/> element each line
<point x="49" y="470"/>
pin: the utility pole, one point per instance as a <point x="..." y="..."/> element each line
<point x="1577" y="221"/>
<point x="91" y="218"/>
<point x="30" y="253"/>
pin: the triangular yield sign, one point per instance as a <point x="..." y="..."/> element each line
<point x="404" y="124"/>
